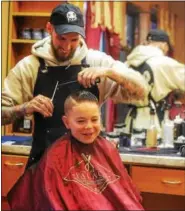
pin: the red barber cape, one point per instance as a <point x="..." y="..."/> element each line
<point x="76" y="176"/>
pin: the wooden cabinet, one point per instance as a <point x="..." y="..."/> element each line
<point x="13" y="167"/>
<point x="158" y="180"/>
<point x="161" y="188"/>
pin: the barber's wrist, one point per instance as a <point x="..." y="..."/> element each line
<point x="20" y="110"/>
<point x="24" y="109"/>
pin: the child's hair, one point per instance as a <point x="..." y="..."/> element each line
<point x="78" y="97"/>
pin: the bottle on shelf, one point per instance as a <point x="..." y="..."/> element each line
<point x="151" y="134"/>
<point x="25" y="33"/>
<point x="167" y="130"/>
<point x="183" y="128"/>
<point x="27" y="124"/>
<point x="23" y="125"/>
<point x="177" y="126"/>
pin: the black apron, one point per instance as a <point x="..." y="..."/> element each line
<point x="145" y="68"/>
<point x="47" y="130"/>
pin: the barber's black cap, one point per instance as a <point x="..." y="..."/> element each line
<point x="67" y="18"/>
<point x="159" y="36"/>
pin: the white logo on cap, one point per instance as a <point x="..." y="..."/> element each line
<point x="71" y="16"/>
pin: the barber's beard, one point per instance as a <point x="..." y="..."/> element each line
<point x="59" y="56"/>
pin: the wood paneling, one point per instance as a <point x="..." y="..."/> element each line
<point x="30" y="6"/>
<point x="179" y="9"/>
<point x="4" y="22"/>
<point x="4" y="54"/>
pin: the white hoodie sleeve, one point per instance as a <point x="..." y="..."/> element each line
<point x="169" y="75"/>
<point x="20" y="82"/>
<point x="134" y="87"/>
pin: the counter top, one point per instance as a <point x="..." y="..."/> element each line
<point x="15" y="149"/>
<point x="126" y="157"/>
<point x="165" y="161"/>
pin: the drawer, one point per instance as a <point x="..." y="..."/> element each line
<point x="159" y="180"/>
<point x="12" y="168"/>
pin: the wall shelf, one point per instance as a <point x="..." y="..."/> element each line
<point x="23" y="41"/>
<point x="30" y="14"/>
<point x="24" y="14"/>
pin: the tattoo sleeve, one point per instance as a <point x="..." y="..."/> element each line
<point x="10" y="114"/>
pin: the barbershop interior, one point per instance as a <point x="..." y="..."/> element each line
<point x="130" y="56"/>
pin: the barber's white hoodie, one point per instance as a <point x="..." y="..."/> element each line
<point x="168" y="74"/>
<point x="20" y="82"/>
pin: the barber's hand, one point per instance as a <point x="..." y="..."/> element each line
<point x="40" y="104"/>
<point x="88" y="76"/>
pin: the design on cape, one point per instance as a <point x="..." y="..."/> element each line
<point x="94" y="178"/>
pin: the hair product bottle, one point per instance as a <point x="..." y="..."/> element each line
<point x="151" y="134"/>
<point x="27" y="124"/>
<point x="167" y="131"/>
<point x="177" y="127"/>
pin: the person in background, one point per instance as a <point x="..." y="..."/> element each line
<point x="59" y="64"/>
<point x="163" y="74"/>
<point x="80" y="171"/>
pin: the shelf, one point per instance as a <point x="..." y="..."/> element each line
<point x="23" y="41"/>
<point x="24" y="14"/>
<point x="18" y="134"/>
<point x="31" y="14"/>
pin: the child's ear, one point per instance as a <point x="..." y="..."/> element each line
<point x="65" y="120"/>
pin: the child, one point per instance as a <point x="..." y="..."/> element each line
<point x="80" y="171"/>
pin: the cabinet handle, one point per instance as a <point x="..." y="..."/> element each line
<point x="14" y="164"/>
<point x="172" y="182"/>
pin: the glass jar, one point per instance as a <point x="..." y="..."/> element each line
<point x="25" y="33"/>
<point x="37" y="34"/>
<point x="45" y="34"/>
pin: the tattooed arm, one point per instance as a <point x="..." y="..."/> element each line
<point x="10" y="114"/>
<point x="40" y="104"/>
